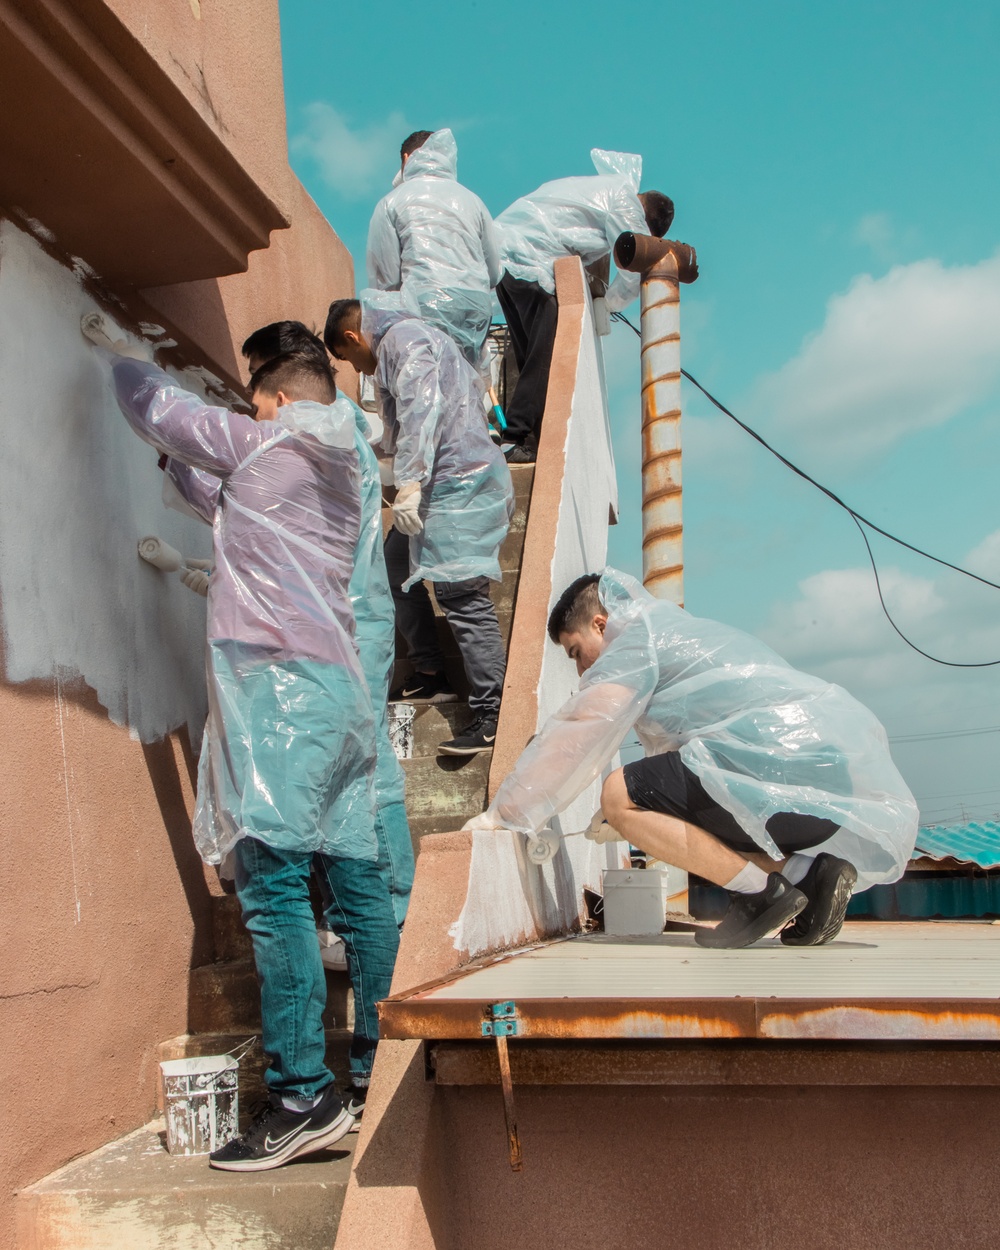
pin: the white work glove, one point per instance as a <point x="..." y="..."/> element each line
<point x="600" y="831"/>
<point x="194" y="575"/>
<point x="94" y="327"/>
<point x="484" y="821"/>
<point x="406" y="509"/>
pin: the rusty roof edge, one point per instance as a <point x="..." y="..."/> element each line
<point x="785" y="1019"/>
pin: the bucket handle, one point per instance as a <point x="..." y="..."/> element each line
<point x="244" y="1048"/>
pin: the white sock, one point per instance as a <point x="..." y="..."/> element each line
<point x="749" y="880"/>
<point x="796" y="867"/>
<point x="299" y="1104"/>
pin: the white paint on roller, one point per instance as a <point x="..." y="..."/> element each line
<point x="77" y="492"/>
<point x="510" y="899"/>
<point x="160" y="554"/>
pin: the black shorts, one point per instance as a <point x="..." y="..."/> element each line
<point x="661" y="783"/>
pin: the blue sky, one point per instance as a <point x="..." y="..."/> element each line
<point x="838" y="170"/>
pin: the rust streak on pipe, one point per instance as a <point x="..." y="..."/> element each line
<point x="664" y="264"/>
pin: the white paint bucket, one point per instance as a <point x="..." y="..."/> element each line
<point x="401" y="717"/>
<point x="201" y="1102"/>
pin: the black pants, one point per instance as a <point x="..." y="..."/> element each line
<point x="531" y="320"/>
<point x="471" y="617"/>
<point x="662" y="783"/>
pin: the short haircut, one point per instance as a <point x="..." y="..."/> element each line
<point x="344" y="314"/>
<point x="414" y="141"/>
<point x="578" y="604"/>
<point x="659" y="210"/>
<point x="300" y="375"/>
<point x="280" y="338"/>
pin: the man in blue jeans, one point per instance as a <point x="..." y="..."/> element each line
<point x="374" y="634"/>
<point x="285" y="776"/>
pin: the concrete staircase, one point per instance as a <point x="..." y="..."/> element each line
<point x="131" y="1194"/>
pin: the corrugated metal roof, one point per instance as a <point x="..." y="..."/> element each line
<point x="975" y="843"/>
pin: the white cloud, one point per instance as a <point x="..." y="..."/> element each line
<point x="895" y="354"/>
<point x="353" y="162"/>
<point x="835" y="627"/>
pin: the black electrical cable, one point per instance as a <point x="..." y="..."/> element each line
<point x="859" y="520"/>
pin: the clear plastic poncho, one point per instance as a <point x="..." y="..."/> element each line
<point x="375" y="614"/>
<point x="431" y="403"/>
<point x="581" y="216"/>
<point x="761" y="737"/>
<point x="289" y="748"/>
<point x="433" y="239"/>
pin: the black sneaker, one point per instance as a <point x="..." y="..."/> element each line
<point x="827" y="885"/>
<point x="479" y="736"/>
<point x="751" y="917"/>
<point x="354" y="1101"/>
<point x="516" y="453"/>
<point x="277" y="1135"/>
<point x="424" y="688"/>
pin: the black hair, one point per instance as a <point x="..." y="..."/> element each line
<point x="301" y="375"/>
<point x="280" y="338"/>
<point x="344" y="314"/>
<point x="414" y="141"/>
<point x="659" y="211"/>
<point x="578" y="604"/>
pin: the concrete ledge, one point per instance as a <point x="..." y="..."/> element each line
<point x="718" y="1063"/>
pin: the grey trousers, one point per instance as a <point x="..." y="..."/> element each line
<point x="471" y="616"/>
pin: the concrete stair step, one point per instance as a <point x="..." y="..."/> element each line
<point x="253" y="1063"/>
<point x="435" y="723"/>
<point x="133" y="1195"/>
<point x="225" y="998"/>
<point x="444" y="791"/>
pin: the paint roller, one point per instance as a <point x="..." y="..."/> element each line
<point x="168" y="559"/>
<point x="542" y="846"/>
<point x="160" y="554"/>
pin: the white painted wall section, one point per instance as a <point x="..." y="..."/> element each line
<point x="77" y="491"/>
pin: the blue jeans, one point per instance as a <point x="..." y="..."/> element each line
<point x="395" y="854"/>
<point x="273" y="889"/>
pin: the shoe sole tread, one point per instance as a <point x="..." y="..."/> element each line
<point x="303" y="1146"/>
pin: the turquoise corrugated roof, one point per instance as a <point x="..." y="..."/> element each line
<point x="975" y="843"/>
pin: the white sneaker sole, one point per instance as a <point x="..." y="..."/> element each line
<point x="444" y="749"/>
<point x="304" y="1144"/>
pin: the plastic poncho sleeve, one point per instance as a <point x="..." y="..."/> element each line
<point x="413" y="377"/>
<point x="626" y="216"/>
<point x="577" y="743"/>
<point x="199" y="492"/>
<point x="180" y="424"/>
<point x="491" y="250"/>
<point x="384" y="256"/>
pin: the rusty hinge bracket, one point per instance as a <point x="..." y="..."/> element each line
<point x="501" y="1024"/>
<point x="501" y="1020"/>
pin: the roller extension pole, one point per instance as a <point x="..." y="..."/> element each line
<point x="663" y="265"/>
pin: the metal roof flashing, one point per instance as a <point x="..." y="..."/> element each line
<point x="879" y="982"/>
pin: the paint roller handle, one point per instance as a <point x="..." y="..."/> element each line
<point x="498" y="416"/>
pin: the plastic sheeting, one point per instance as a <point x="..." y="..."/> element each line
<point x="762" y="737"/>
<point x="431" y="403"/>
<point x="581" y="216"/>
<point x="433" y="239"/>
<point x="289" y="748"/>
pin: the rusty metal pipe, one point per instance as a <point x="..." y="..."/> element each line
<point x="663" y="264"/>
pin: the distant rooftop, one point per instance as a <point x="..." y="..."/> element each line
<point x="975" y="843"/>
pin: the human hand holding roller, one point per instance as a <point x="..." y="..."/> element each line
<point x="94" y="328"/>
<point x="193" y="573"/>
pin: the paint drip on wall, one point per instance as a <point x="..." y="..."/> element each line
<point x="77" y="492"/>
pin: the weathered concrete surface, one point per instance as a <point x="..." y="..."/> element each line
<point x="132" y="1195"/>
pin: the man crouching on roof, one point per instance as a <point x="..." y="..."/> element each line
<point x="771" y="783"/>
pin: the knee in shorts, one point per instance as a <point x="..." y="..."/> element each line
<point x="614" y="795"/>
